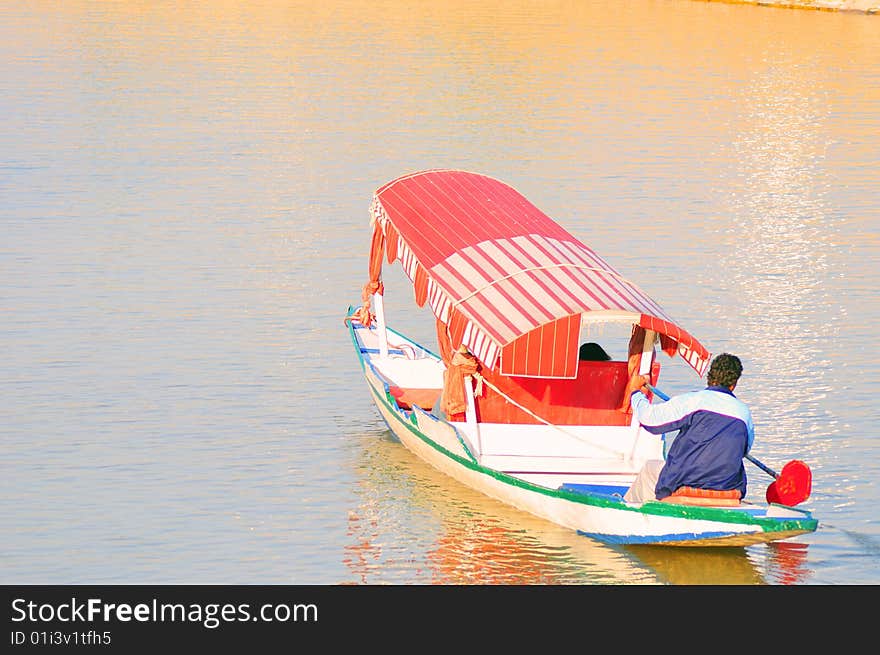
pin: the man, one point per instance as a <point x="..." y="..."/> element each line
<point x="715" y="431"/>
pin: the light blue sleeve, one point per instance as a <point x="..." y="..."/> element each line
<point x="667" y="416"/>
<point x="674" y="413"/>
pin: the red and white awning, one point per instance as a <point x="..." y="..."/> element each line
<point x="507" y="280"/>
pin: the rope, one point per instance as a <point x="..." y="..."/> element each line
<point x="483" y="380"/>
<point x="408" y="349"/>
<point x="363" y="313"/>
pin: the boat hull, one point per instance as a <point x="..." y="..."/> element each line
<point x="596" y="515"/>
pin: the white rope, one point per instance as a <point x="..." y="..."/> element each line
<point x="578" y="437"/>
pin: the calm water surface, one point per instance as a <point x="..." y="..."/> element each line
<point x="183" y="223"/>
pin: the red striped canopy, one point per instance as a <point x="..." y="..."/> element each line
<point x="508" y="281"/>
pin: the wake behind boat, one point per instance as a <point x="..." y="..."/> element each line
<point x="513" y="404"/>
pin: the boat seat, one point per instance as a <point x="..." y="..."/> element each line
<point x="594" y="397"/>
<point x="406" y="397"/>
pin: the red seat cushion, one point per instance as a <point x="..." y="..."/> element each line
<point x="407" y="397"/>
<point x="714" y="497"/>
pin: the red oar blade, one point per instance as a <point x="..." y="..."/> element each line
<point x="793" y="485"/>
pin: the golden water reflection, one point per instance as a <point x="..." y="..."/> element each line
<point x="777" y="247"/>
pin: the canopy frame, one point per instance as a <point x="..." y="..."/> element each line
<point x="507" y="281"/>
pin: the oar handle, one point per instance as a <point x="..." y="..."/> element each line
<point x="761" y="466"/>
<point x="753" y="460"/>
<point x="657" y="391"/>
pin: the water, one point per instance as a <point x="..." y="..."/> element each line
<point x="183" y="223"/>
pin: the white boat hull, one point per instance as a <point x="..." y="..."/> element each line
<point x="596" y="515"/>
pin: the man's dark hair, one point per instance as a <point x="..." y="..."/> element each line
<point x="724" y="370"/>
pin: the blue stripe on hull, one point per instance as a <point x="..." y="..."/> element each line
<point x="655" y="538"/>
<point x="596" y="489"/>
<point x="375" y="351"/>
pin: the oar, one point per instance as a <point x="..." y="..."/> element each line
<point x="789" y="487"/>
<point x="762" y="466"/>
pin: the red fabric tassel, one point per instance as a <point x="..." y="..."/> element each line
<point x="462" y="365"/>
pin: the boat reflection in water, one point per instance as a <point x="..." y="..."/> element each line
<point x="775" y="563"/>
<point x="481" y="541"/>
<point x="485" y="542"/>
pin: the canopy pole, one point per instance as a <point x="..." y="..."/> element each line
<point x="381" y="329"/>
<point x="644" y="369"/>
<point x="470" y="412"/>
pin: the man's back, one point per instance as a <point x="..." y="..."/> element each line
<point x="715" y="432"/>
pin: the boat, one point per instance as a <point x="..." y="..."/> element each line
<point x="509" y="402"/>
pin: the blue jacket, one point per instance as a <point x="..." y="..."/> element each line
<point x="715" y="431"/>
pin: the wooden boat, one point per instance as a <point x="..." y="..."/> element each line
<point x="506" y="405"/>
